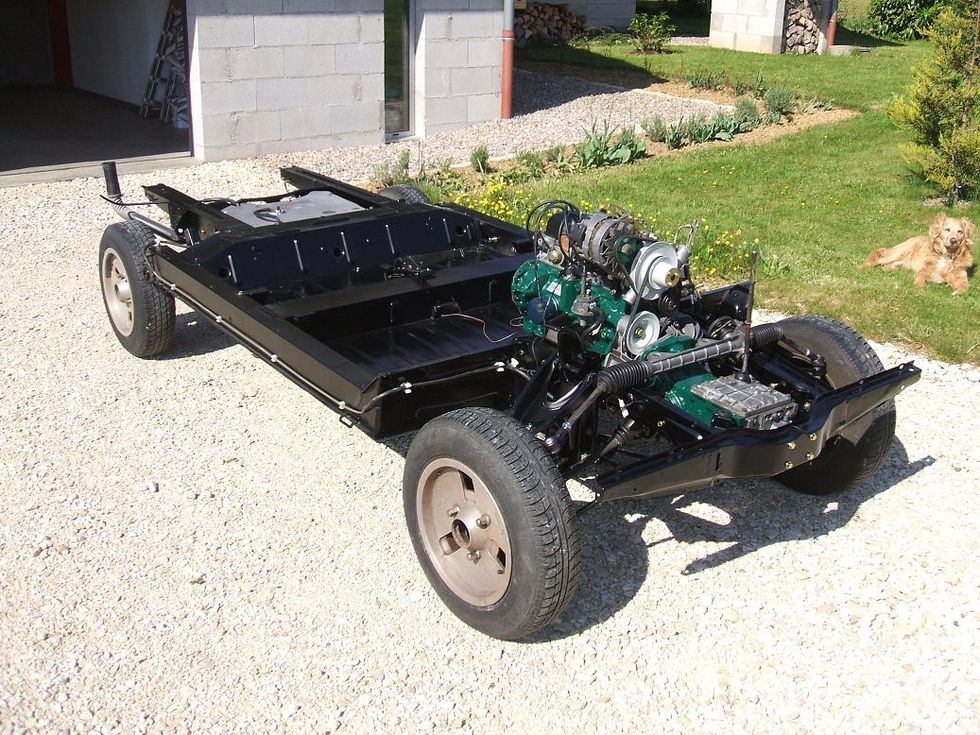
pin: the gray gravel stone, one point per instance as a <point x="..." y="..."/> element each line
<point x="740" y="607"/>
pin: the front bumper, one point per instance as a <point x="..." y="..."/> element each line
<point x="742" y="453"/>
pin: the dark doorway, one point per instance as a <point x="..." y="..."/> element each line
<point x="73" y="74"/>
<point x="398" y="68"/>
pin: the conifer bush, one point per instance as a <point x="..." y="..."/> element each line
<point x="941" y="107"/>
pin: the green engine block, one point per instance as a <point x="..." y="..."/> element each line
<point x="536" y="278"/>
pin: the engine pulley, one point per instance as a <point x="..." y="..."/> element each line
<point x="655" y="270"/>
<point x="641" y="333"/>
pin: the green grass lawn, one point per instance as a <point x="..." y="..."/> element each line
<point x="818" y="200"/>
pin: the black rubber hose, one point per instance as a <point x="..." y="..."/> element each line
<point x="628" y="375"/>
<point x="764" y="335"/>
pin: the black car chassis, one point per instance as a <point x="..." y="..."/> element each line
<point x="394" y="311"/>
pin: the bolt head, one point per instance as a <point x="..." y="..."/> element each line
<point x="813" y="437"/>
<point x="483" y="521"/>
<point x="474" y="556"/>
<point x="791" y="445"/>
<point x="453" y="512"/>
<point x="809" y="456"/>
<point x="789" y="465"/>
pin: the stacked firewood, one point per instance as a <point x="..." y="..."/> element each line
<point x="547" y="22"/>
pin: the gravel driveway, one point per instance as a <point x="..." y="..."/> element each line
<point x="548" y="110"/>
<point x="194" y="544"/>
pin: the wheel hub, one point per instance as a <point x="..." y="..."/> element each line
<point x="463" y="532"/>
<point x="117" y="292"/>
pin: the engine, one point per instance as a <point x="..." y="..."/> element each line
<point x="598" y="274"/>
<point x="615" y="293"/>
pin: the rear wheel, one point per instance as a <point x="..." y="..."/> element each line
<point x="857" y="453"/>
<point x="405" y="193"/>
<point x="491" y="521"/>
<point x="142" y="315"/>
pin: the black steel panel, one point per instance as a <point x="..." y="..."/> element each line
<point x="739" y="453"/>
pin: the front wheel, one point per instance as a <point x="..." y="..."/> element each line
<point x="491" y="521"/>
<point x="858" y="451"/>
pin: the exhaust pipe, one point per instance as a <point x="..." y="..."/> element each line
<point x="114" y="196"/>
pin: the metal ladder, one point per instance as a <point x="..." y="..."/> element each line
<point x="166" y="90"/>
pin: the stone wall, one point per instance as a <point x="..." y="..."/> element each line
<point x="271" y="76"/>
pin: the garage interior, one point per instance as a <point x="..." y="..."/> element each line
<point x="73" y="75"/>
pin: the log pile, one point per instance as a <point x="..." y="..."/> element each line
<point x="546" y="22"/>
<point x="801" y="28"/>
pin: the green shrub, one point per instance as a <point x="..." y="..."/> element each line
<point x="704" y="79"/>
<point x="655" y="129"/>
<point x="651" y="33"/>
<point x="778" y="102"/>
<point x="532" y="163"/>
<point x="676" y="134"/>
<point x="628" y="147"/>
<point x="601" y="147"/>
<point x="480" y="160"/>
<point x="902" y="18"/>
<point x="394" y="172"/>
<point x="746" y="114"/>
<point x="699" y="129"/>
<point x="942" y="108"/>
<point x="440" y="182"/>
<point x="558" y="160"/>
<point x="725" y="125"/>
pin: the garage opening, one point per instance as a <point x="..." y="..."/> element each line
<point x="74" y="75"/>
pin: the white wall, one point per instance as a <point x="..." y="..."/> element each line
<point x="458" y="63"/>
<point x="273" y="76"/>
<point x="25" y="45"/>
<point x="113" y="43"/>
<point x="747" y="25"/>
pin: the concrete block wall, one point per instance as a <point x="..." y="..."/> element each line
<point x="614" y="13"/>
<point x="457" y="63"/>
<point x="275" y="76"/>
<point x="747" y="25"/>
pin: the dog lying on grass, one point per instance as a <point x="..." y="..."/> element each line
<point x="943" y="256"/>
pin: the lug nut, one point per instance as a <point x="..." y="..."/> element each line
<point x="483" y="521"/>
<point x="453" y="512"/>
<point x="474" y="556"/>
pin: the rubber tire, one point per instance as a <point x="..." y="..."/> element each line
<point x="405" y="193"/>
<point x="531" y="495"/>
<point x="852" y="457"/>
<point x="154" y="310"/>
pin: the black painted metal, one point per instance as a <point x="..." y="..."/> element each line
<point x="399" y="312"/>
<point x="740" y="453"/>
<point x="350" y="306"/>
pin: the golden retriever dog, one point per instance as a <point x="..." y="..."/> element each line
<point x="943" y="256"/>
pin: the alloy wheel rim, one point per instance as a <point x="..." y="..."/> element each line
<point x="463" y="532"/>
<point x="117" y="292"/>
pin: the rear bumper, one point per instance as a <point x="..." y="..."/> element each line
<point x="742" y="453"/>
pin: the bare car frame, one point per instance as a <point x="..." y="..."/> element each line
<point x="521" y="356"/>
